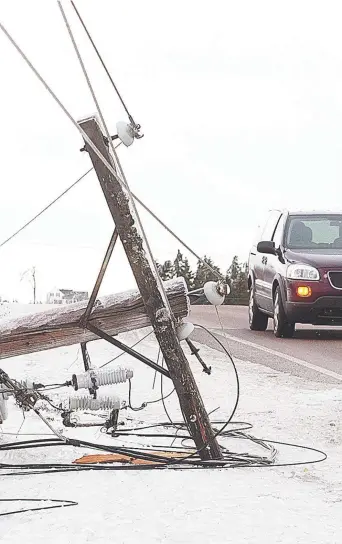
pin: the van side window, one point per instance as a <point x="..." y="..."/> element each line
<point x="270" y="226"/>
<point x="279" y="233"/>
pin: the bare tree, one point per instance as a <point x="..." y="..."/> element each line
<point x="30" y="274"/>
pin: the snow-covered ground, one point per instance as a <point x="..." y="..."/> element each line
<point x="287" y="505"/>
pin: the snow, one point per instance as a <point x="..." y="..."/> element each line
<point x="288" y="505"/>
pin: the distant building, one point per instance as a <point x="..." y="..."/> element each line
<point x="66" y="296"/>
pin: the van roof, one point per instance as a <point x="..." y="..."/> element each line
<point x="315" y="212"/>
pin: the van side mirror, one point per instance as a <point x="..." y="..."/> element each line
<point x="267" y="247"/>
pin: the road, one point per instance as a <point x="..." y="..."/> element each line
<point x="315" y="353"/>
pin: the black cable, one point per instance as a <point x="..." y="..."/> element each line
<point x="27" y="444"/>
<point x="130" y="399"/>
<point x="197" y="452"/>
<point x="51" y="385"/>
<point x="58" y="408"/>
<point x="61" y="504"/>
<point x="45" y="209"/>
<point x="162" y="396"/>
<point x="78" y="443"/>
<point x="123" y="353"/>
<point x="146" y="403"/>
<point x="229" y="355"/>
<point x="151" y="435"/>
<point x="38" y="388"/>
<point x="242" y="426"/>
<point x="103" y="64"/>
<point x="158" y="461"/>
<point x="49" y="468"/>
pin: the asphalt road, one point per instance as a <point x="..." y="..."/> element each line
<point x="315" y="353"/>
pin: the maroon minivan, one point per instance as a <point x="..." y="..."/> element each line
<point x="295" y="272"/>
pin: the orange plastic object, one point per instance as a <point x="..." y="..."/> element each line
<point x="121" y="458"/>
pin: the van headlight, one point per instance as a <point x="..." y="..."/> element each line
<point x="302" y="272"/>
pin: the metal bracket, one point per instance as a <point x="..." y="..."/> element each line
<point x="195" y="351"/>
<point x="127" y="349"/>
<point x="105" y="262"/>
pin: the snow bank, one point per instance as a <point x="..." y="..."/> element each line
<point x="293" y="505"/>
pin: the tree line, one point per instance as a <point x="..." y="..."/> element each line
<point x="236" y="276"/>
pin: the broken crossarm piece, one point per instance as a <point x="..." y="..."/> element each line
<point x="60" y="326"/>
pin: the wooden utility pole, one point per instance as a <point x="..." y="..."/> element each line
<point x="34" y="284"/>
<point x="62" y="325"/>
<point x="163" y="323"/>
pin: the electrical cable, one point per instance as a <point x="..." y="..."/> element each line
<point x="215" y="272"/>
<point x="167" y="463"/>
<point x="122" y="181"/>
<point x="25" y="434"/>
<point x="162" y="395"/>
<point x="146" y="403"/>
<point x="226" y="351"/>
<point x="155" y="372"/>
<point x="45" y="209"/>
<point x="123" y="352"/>
<point x="219" y="432"/>
<point x="130" y="399"/>
<point x="160" y="461"/>
<point x="58" y="504"/>
<point x="46" y="399"/>
<point x="97" y="152"/>
<point x="162" y="398"/>
<point x="230" y="459"/>
<point x="103" y="64"/>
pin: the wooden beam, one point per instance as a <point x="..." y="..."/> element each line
<point x="163" y="323"/>
<point x="61" y="326"/>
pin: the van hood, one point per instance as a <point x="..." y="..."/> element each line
<point x="323" y="258"/>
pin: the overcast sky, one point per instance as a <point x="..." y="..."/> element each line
<point x="240" y="104"/>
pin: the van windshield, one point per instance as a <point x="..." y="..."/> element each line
<point x="314" y="232"/>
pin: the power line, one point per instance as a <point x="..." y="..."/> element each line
<point x="46" y="208"/>
<point x="103" y="63"/>
<point x="212" y="270"/>
<point x="94" y="148"/>
<point x="123" y="177"/>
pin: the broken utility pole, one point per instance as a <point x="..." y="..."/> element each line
<point x="163" y="323"/>
<point x="63" y="324"/>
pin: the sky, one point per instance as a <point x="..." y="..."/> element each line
<point x="240" y="104"/>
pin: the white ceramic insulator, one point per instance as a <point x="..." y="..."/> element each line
<point x="212" y="294"/>
<point x="3" y="404"/>
<point x="125" y="133"/>
<point x="88" y="403"/>
<point x="184" y="330"/>
<point x="103" y="377"/>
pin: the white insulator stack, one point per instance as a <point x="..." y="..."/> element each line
<point x="88" y="403"/>
<point x="184" y="330"/>
<point x="101" y="377"/>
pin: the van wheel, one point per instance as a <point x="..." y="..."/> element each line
<point x="282" y="328"/>
<point x="257" y="320"/>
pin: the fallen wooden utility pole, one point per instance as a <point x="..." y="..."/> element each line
<point x="62" y="326"/>
<point x="163" y="323"/>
